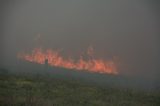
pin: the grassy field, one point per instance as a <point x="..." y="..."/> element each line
<point x="30" y="90"/>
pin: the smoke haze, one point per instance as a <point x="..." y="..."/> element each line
<point x="126" y="29"/>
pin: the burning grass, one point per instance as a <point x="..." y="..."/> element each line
<point x="54" y="58"/>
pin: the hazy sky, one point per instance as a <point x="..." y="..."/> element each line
<point x="128" y="29"/>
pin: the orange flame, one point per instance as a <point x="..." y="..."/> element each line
<point x="55" y="59"/>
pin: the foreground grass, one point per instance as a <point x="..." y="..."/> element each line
<point x="42" y="91"/>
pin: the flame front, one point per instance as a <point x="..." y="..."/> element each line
<point x="55" y="59"/>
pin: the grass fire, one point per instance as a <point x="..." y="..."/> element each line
<point x="55" y="58"/>
<point x="80" y="53"/>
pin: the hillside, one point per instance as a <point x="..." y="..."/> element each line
<point x="38" y="90"/>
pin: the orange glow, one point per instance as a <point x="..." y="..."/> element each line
<point x="55" y="59"/>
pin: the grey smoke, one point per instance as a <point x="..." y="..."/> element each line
<point x="128" y="29"/>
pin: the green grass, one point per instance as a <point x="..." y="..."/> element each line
<point x="17" y="90"/>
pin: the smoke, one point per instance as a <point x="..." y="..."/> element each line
<point x="126" y="29"/>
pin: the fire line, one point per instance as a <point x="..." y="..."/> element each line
<point x="57" y="60"/>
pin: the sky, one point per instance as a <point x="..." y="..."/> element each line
<point x="127" y="29"/>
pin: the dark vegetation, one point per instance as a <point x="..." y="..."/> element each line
<point x="41" y="90"/>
